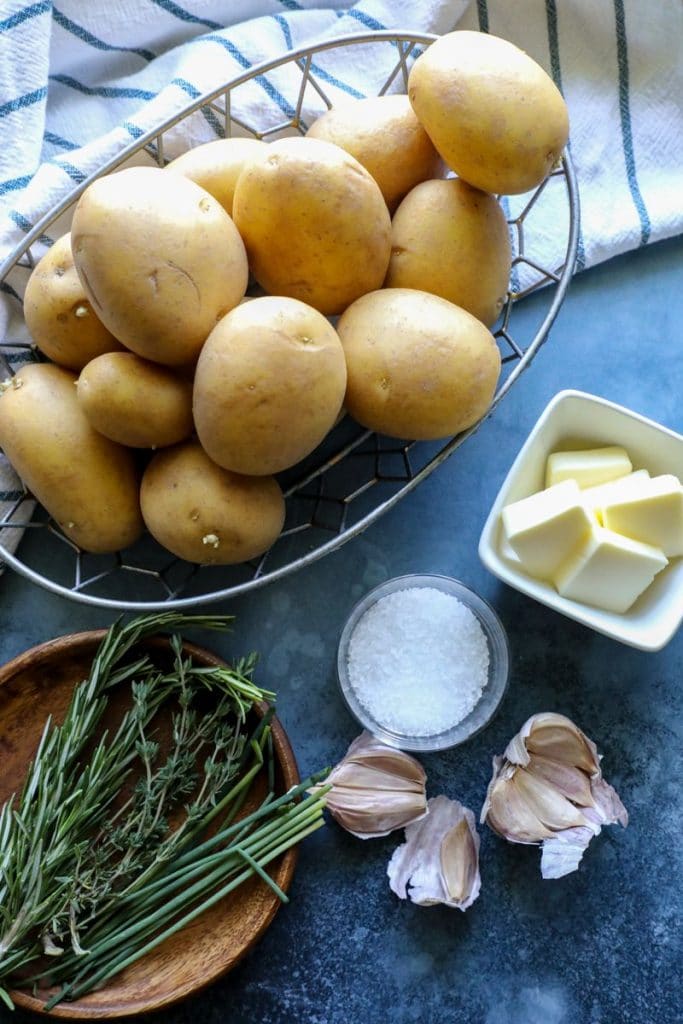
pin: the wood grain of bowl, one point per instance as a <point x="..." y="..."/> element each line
<point x="40" y="682"/>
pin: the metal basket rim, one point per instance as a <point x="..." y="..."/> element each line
<point x="560" y="289"/>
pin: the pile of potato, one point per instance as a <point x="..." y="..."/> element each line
<point x="155" y="348"/>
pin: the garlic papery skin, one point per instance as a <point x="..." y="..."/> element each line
<point x="548" y="788"/>
<point x="439" y="861"/>
<point x="376" y="789"/>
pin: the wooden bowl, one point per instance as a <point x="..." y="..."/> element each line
<point x="40" y="682"/>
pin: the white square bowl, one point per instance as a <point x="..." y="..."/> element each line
<point x="574" y="420"/>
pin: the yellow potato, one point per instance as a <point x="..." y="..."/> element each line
<point x="314" y="223"/>
<point x="418" y="366"/>
<point x="269" y="385"/>
<point x="135" y="402"/>
<point x="160" y="260"/>
<point x="385" y="136"/>
<point x="87" y="483"/>
<point x="452" y="240"/>
<point x="216" y="166"/>
<point x="492" y="112"/>
<point x="206" y="514"/>
<point x="60" y="318"/>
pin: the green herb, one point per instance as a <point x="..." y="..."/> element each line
<point x="93" y="885"/>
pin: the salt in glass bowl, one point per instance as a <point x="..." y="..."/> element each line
<point x="491" y="696"/>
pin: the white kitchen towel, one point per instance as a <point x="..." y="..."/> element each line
<point x="79" y="80"/>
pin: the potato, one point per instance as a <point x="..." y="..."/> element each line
<point x="418" y="366"/>
<point x="452" y="240"/>
<point x="87" y="483"/>
<point x="492" y="112"/>
<point x="216" y="166"/>
<point x="314" y="223"/>
<point x="160" y="260"/>
<point x="135" y="402"/>
<point x="385" y="136"/>
<point x="206" y="514"/>
<point x="60" y="318"/>
<point x="269" y="385"/>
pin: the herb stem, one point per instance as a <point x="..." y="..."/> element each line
<point x="74" y="990"/>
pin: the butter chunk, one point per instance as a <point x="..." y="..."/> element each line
<point x="601" y="494"/>
<point x="545" y="528"/>
<point x="588" y="468"/>
<point x="653" y="514"/>
<point x="507" y="552"/>
<point x="609" y="571"/>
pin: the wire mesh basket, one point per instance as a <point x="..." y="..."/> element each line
<point x="355" y="476"/>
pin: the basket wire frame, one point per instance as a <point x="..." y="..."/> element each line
<point x="356" y="475"/>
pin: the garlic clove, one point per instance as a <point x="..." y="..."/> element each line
<point x="370" y="815"/>
<point x="375" y="789"/>
<point x="356" y="775"/>
<point x="510" y="815"/>
<point x="439" y="861"/>
<point x="548" y="804"/>
<point x="366" y="749"/>
<point x="568" y="780"/>
<point x="557" y="738"/>
<point x="459" y="861"/>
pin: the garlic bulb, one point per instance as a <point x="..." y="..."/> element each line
<point x="439" y="859"/>
<point x="548" y="788"/>
<point x="375" y="789"/>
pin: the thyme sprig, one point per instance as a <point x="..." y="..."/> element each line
<point x="93" y="884"/>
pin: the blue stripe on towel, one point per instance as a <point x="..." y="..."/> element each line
<point x="291" y="5"/>
<point x="27" y="100"/>
<point x="282" y="22"/>
<point x="626" y="134"/>
<point x="207" y="113"/>
<point x="57" y="140"/>
<point x="191" y="90"/>
<point x="556" y="70"/>
<point x="333" y="80"/>
<point x="27" y="12"/>
<point x="14" y="184"/>
<point x="133" y="130"/>
<point x="365" y="19"/>
<point x="237" y="55"/>
<point x="87" y="37"/>
<point x="20" y="220"/>
<point x="179" y="12"/>
<point x="25" y="225"/>
<point x="316" y="68"/>
<point x="483" y="15"/>
<point x="75" y="173"/>
<point x="110" y="91"/>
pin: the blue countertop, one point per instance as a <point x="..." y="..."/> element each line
<point x="600" y="946"/>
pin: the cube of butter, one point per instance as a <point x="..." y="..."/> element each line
<point x="601" y="494"/>
<point x="594" y="466"/>
<point x="507" y="552"/>
<point x="653" y="514"/>
<point x="609" y="571"/>
<point x="544" y="529"/>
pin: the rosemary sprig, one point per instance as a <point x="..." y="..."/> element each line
<point x="97" y="886"/>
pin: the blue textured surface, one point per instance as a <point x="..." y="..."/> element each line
<point x="601" y="946"/>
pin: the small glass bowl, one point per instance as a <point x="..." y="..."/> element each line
<point x="491" y="696"/>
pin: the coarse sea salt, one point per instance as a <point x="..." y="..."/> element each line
<point x="418" y="661"/>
